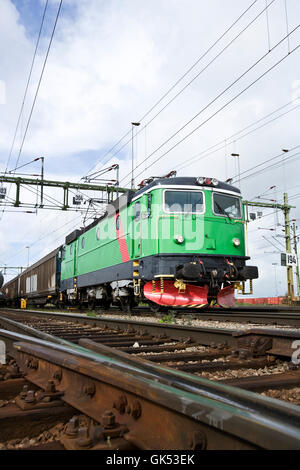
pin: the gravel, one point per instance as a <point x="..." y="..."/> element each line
<point x="277" y="368"/>
<point x="191" y="349"/>
<point x="53" y="434"/>
<point x="290" y="395"/>
<point x="187" y="321"/>
<point x="198" y="323"/>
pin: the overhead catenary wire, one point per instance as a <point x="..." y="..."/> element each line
<point x="287" y="23"/>
<point x="222" y="107"/>
<point x="45" y="235"/>
<point x="189" y="83"/>
<point x="27" y="86"/>
<point x="209" y="49"/>
<point x="268" y="167"/>
<point x="39" y="82"/>
<point x="25" y="94"/>
<point x="147" y="157"/>
<point x="268" y="26"/>
<point x="228" y="140"/>
<point x="37" y="89"/>
<point x="271" y="243"/>
<point x="181" y="78"/>
<point x="278" y="188"/>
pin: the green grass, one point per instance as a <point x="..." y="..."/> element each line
<point x="169" y="318"/>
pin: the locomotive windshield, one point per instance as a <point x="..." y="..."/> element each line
<point x="228" y="206"/>
<point x="184" y="201"/>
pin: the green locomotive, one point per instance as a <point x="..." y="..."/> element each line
<point x="175" y="242"/>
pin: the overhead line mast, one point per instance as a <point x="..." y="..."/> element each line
<point x="65" y="185"/>
<point x="295" y="239"/>
<point x="285" y="207"/>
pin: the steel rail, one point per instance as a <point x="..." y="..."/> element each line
<point x="278" y="342"/>
<point x="205" y="335"/>
<point x="268" y="316"/>
<point x="223" y="416"/>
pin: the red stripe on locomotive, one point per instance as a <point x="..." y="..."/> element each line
<point x="121" y="240"/>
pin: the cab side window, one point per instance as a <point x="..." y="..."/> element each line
<point x="137" y="210"/>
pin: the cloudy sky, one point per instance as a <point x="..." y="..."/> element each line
<point x="116" y="61"/>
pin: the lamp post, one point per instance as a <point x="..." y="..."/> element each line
<point x="237" y="155"/>
<point x="27" y="247"/>
<point x="133" y="124"/>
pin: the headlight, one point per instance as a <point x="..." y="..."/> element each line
<point x="215" y="182"/>
<point x="236" y="241"/>
<point x="179" y="239"/>
<point x="200" y="180"/>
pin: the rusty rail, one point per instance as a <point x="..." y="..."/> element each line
<point x="255" y="340"/>
<point x="273" y="316"/>
<point x="153" y="407"/>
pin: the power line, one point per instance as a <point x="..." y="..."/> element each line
<point x="266" y="161"/>
<point x="25" y="95"/>
<point x="39" y="83"/>
<point x="271" y="243"/>
<point x="42" y="237"/>
<point x="278" y="164"/>
<point x="223" y="107"/>
<point x="205" y="54"/>
<point x="206" y="67"/>
<point x="186" y="86"/>
<point x="174" y="86"/>
<point x="214" y="100"/>
<point x="191" y="160"/>
<point x="27" y="85"/>
<point x="37" y="90"/>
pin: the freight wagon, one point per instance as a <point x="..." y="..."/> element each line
<point x="39" y="284"/>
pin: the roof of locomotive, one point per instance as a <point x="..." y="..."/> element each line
<point x="184" y="181"/>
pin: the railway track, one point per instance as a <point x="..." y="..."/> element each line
<point x="284" y="316"/>
<point x="258" y="360"/>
